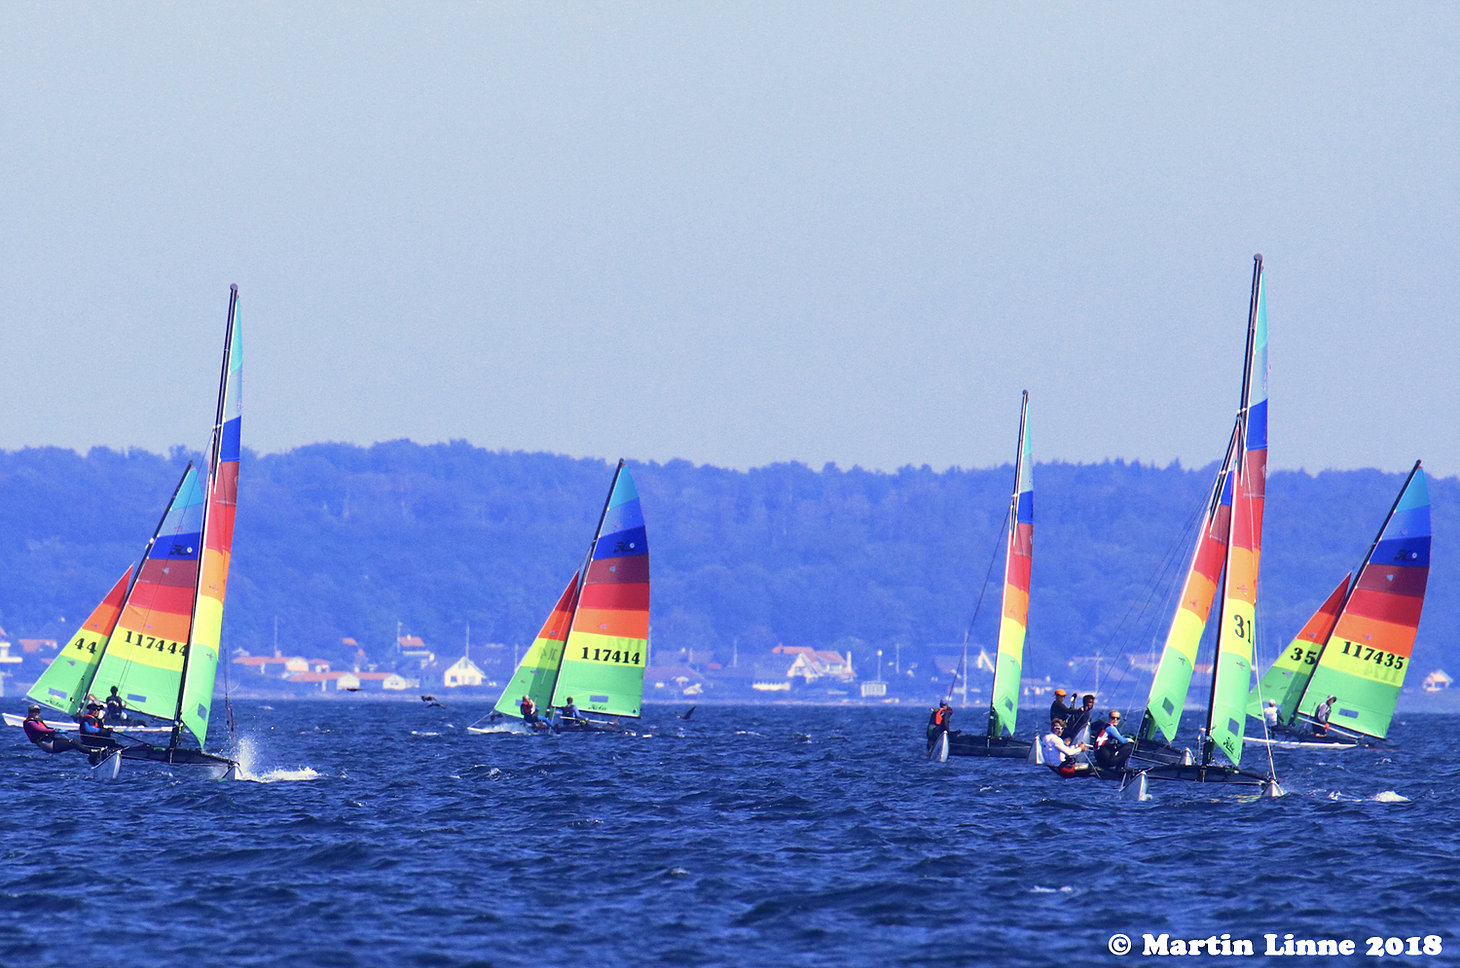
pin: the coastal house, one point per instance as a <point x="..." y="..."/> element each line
<point x="675" y="678"/>
<point x="463" y="673"/>
<point x="413" y="650"/>
<point x="809" y="665"/>
<point x="1436" y="681"/>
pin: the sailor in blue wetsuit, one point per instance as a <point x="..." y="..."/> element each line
<point x="570" y="711"/>
<point x="116" y="708"/>
<point x="92" y="725"/>
<point x="1112" y="750"/>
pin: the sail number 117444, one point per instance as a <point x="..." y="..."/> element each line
<point x="616" y="656"/>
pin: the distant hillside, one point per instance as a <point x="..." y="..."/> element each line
<point x="336" y="540"/>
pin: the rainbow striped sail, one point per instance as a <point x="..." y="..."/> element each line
<point x="144" y="655"/>
<point x="1365" y="660"/>
<point x="1172" y="681"/>
<point x="1289" y="673"/>
<point x="66" y="681"/>
<point x="608" y="641"/>
<point x="1237" y="634"/>
<point x="1013" y="626"/>
<point x="538" y="670"/>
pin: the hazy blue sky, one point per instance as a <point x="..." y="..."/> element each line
<point x="735" y="233"/>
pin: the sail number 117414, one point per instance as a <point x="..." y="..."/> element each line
<point x="618" y="656"/>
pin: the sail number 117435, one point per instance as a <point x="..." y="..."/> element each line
<point x="618" y="656"/>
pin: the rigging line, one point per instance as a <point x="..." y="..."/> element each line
<point x="959" y="670"/>
<point x="1175" y="554"/>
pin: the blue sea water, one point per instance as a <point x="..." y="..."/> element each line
<point x="383" y="834"/>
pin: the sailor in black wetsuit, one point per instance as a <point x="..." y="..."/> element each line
<point x="1079" y="719"/>
<point x="1058" y="709"/>
<point x="48" y="739"/>
<point x="116" y="708"/>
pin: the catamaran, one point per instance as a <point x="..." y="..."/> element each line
<point x="1354" y="652"/>
<point x="1227" y="554"/>
<point x="155" y="636"/>
<point x="590" y="655"/>
<point x="998" y="739"/>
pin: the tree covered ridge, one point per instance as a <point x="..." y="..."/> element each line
<point x="338" y="540"/>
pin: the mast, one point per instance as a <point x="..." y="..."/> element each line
<point x="1236" y="634"/>
<point x="583" y="572"/>
<point x="213" y="456"/>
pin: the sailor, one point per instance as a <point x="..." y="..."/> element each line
<point x="1270" y="713"/>
<point x="44" y="736"/>
<point x="529" y="713"/>
<point x="1321" y="714"/>
<point x="1080" y="718"/>
<point x="1112" y="749"/>
<point x="938" y="721"/>
<point x="1058" y="709"/>
<point x="570" y="711"/>
<point x="92" y="724"/>
<point x="116" y="708"/>
<point x="1059" y="755"/>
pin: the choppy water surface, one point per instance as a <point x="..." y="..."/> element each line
<point x="382" y="833"/>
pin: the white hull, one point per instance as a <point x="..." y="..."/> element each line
<point x="67" y="726"/>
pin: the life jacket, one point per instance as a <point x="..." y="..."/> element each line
<point x="35" y="730"/>
<point x="940" y="716"/>
<point x="1097" y="730"/>
<point x="90" y="725"/>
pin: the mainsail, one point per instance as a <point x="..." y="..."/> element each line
<point x="143" y="655"/>
<point x="1365" y="659"/>
<point x="608" y="641"/>
<point x="1014" y="624"/>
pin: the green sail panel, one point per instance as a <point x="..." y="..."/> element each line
<point x="144" y="655"/>
<point x="1014" y="622"/>
<point x="1288" y="676"/>
<point x="538" y="671"/>
<point x="66" y="681"/>
<point x="1363" y="666"/>
<point x="608" y="643"/>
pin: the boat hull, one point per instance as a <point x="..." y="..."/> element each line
<point x="977" y="744"/>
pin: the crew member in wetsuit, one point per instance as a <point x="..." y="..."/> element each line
<point x="116" y="708"/>
<point x="528" y="709"/>
<point x="570" y="711"/>
<point x="1079" y="719"/>
<point x="1060" y="756"/>
<point x="1321" y="714"/>
<point x="92" y="724"/>
<point x="1112" y="750"/>
<point x="939" y="720"/>
<point x="1058" y="709"/>
<point x="48" y="739"/>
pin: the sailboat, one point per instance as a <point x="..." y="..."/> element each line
<point x="155" y="636"/>
<point x="998" y="739"/>
<point x="1356" y="650"/>
<point x="593" y="649"/>
<point x="1228" y="551"/>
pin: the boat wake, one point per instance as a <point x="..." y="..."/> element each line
<point x="284" y="776"/>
